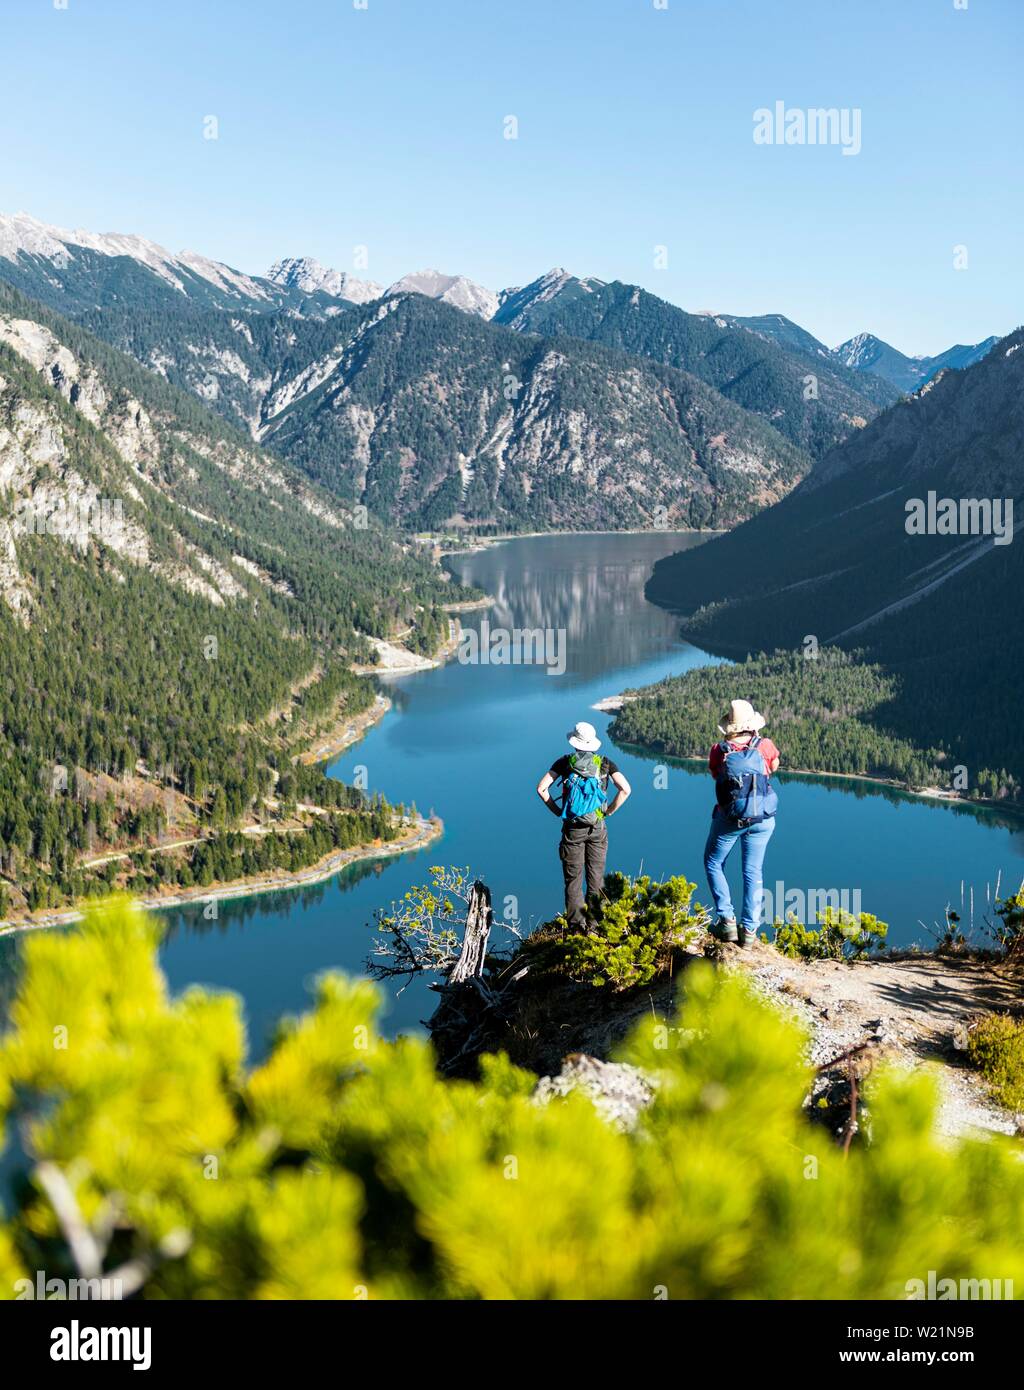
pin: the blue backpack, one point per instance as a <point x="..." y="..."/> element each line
<point x="584" y="790"/>
<point x="745" y="791"/>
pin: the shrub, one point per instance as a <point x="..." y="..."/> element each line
<point x="996" y="1047"/>
<point x="637" y="926"/>
<point x="840" y="936"/>
<point x="344" y="1166"/>
<point x="1010" y="911"/>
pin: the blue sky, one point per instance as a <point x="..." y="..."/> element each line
<point x="383" y="127"/>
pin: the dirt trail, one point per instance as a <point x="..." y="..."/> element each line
<point x="910" y="1010"/>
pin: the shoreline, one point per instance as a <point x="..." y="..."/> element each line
<point x="947" y="798"/>
<point x="478" y="543"/>
<point x="354" y="729"/>
<point x="925" y="793"/>
<point x="407" y="663"/>
<point x="425" y="832"/>
<point x="470" y="605"/>
<point x="350" y="731"/>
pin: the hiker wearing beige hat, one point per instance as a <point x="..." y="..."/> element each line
<point x="583" y="810"/>
<point x="745" y="804"/>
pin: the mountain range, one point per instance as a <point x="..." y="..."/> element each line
<point x="435" y="402"/>
<point x="75" y="271"/>
<point x="811" y="399"/>
<point x="197" y="469"/>
<point x="866" y="353"/>
<point x="72" y="270"/>
<point x="83" y="263"/>
<point x="426" y="414"/>
<point x="520" y="307"/>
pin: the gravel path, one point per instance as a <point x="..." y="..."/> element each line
<point x="908" y="1010"/>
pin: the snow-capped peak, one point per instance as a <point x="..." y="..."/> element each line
<point x="22" y="233"/>
<point x="309" y="275"/>
<point x="456" y="290"/>
<point x="861" y="349"/>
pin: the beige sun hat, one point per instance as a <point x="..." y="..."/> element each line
<point x="742" y="718"/>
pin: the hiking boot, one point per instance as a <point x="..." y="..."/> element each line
<point x="725" y="930"/>
<point x="747" y="938"/>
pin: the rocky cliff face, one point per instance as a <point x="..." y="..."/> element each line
<point x="431" y="417"/>
<point x="99" y="486"/>
<point x="308" y="276"/>
<point x="768" y="366"/>
<point x="100" y="458"/>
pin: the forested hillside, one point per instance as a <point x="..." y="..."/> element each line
<point x="178" y="612"/>
<point x="428" y="415"/>
<point x="835" y="562"/>
<point x="807" y="396"/>
<point x="827" y="712"/>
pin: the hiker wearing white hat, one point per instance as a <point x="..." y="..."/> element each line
<point x="585" y="776"/>
<point x="745" y="804"/>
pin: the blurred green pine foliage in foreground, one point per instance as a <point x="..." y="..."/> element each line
<point x="345" y="1167"/>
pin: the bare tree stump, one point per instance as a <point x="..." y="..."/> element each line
<point x="479" y="920"/>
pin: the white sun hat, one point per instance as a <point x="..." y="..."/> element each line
<point x="584" y="737"/>
<point x="742" y="718"/>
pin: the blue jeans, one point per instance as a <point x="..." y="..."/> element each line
<point x="721" y="839"/>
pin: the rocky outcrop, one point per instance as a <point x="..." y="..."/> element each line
<point x="618" y="1091"/>
<point x="308" y="275"/>
<point x="455" y="290"/>
<point x="858" y="1016"/>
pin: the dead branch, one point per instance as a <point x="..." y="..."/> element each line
<point x="479" y="920"/>
<point x="88" y="1246"/>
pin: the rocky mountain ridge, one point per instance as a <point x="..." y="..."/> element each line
<point x="430" y="416"/>
<point x="308" y="275"/>
<point x="86" y="267"/>
<point x="866" y="353"/>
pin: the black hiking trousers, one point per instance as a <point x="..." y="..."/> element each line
<point x="583" y="851"/>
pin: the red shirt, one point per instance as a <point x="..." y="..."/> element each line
<point x="766" y="748"/>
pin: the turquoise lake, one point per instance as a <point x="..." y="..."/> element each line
<point x="471" y="741"/>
